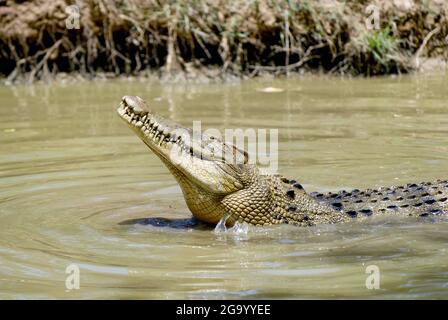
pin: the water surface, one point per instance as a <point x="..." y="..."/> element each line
<point x="73" y="179"/>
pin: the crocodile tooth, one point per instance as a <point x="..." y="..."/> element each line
<point x="144" y="118"/>
<point x="139" y="124"/>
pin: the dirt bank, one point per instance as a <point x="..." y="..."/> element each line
<point x="41" y="38"/>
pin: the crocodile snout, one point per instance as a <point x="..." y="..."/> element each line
<point x="136" y="104"/>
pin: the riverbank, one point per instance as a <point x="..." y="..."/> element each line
<point x="219" y="39"/>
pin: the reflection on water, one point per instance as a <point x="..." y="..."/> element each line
<point x="76" y="186"/>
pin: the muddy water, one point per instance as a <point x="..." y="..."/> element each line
<point x="74" y="179"/>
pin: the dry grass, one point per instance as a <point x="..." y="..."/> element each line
<point x="239" y="37"/>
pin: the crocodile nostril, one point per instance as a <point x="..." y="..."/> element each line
<point x="136" y="104"/>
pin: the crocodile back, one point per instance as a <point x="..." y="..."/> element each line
<point x="422" y="199"/>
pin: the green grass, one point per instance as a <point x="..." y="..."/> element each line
<point x="382" y="45"/>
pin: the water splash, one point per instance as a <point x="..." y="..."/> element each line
<point x="239" y="229"/>
<point x="221" y="226"/>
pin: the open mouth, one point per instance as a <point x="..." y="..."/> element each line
<point x="132" y="110"/>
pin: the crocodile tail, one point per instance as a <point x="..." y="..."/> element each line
<point x="422" y="199"/>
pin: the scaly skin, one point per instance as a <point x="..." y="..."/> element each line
<point x="214" y="187"/>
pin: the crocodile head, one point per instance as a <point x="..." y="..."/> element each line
<point x="208" y="170"/>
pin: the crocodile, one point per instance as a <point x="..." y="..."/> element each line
<point x="215" y="188"/>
